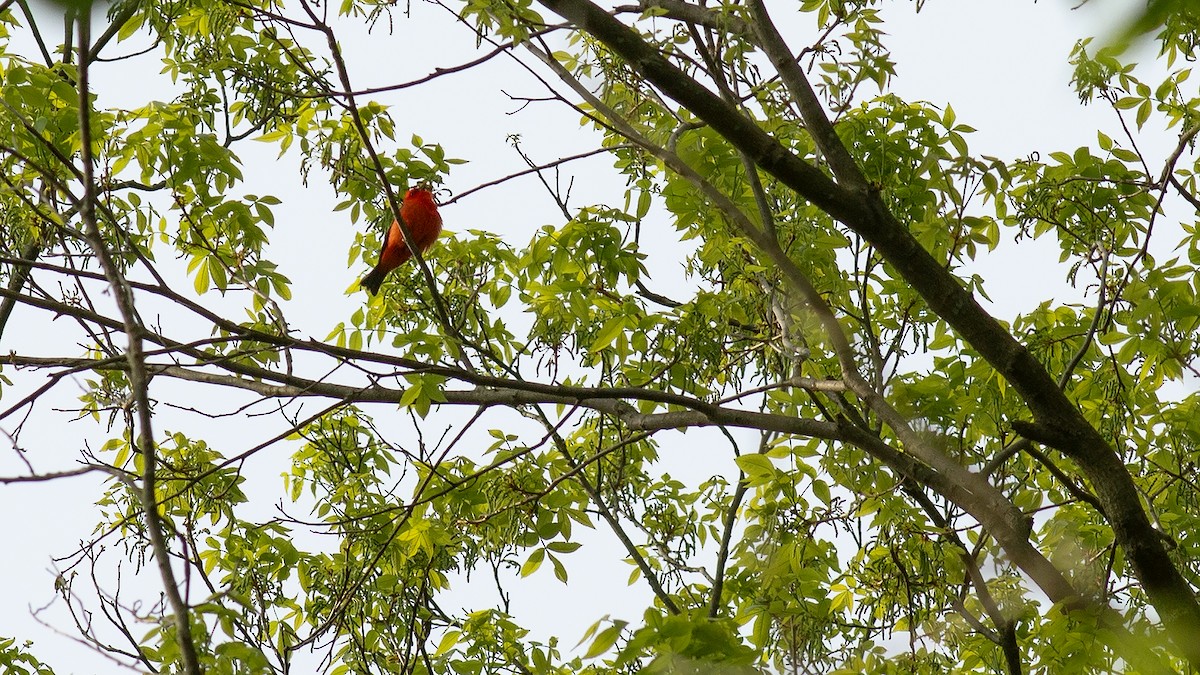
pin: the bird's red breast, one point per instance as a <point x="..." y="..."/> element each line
<point x="424" y="223"/>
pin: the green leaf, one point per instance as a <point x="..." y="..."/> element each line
<point x="643" y="204"/>
<point x="1143" y="113"/>
<point x="605" y="640"/>
<point x="755" y="466"/>
<point x="821" y="490"/>
<point x="201" y="280"/>
<point x="608" y="332"/>
<point x="448" y="641"/>
<point x="533" y="562"/>
<point x="560" y="571"/>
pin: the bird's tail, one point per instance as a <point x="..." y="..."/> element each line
<point x="373" y="281"/>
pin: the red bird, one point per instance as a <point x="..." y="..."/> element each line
<point x="420" y="214"/>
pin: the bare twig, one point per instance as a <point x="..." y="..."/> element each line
<point x="534" y="169"/>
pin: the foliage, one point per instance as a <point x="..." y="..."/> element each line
<point x="816" y="454"/>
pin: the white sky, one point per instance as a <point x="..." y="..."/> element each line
<point x="1001" y="63"/>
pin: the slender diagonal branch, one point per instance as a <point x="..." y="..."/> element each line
<point x="392" y="199"/>
<point x="731" y="515"/>
<point x="139" y="380"/>
<point x="843" y="165"/>
<point x="17" y="280"/>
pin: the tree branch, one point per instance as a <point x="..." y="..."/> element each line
<point x="21" y="271"/>
<point x="138" y="377"/>
<point x="696" y="14"/>
<point x="491" y="391"/>
<point x="818" y="124"/>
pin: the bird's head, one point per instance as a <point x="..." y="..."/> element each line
<point x="423" y="188"/>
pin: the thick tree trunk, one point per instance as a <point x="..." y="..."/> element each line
<point x="860" y="208"/>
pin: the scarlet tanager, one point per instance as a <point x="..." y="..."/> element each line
<point x="420" y="214"/>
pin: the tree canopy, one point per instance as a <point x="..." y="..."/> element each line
<point x="819" y="450"/>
